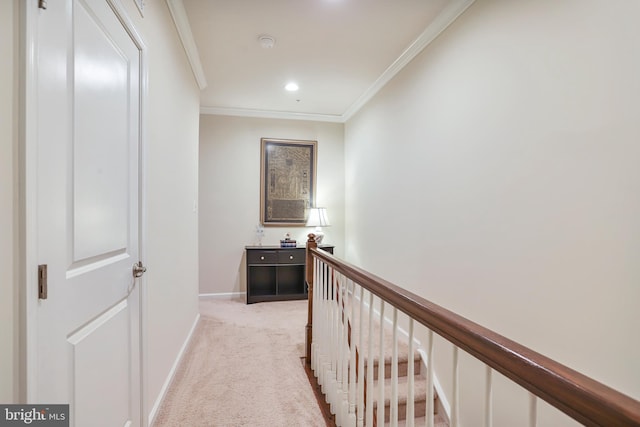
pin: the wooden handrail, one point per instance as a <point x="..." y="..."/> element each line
<point x="580" y="397"/>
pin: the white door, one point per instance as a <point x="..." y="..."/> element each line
<point x="88" y="93"/>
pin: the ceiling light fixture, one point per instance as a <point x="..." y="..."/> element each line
<point x="266" y="41"/>
<point x="291" y="87"/>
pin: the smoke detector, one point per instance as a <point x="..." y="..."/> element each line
<point x="266" y="41"/>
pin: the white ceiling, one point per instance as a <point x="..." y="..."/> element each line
<point x="340" y="52"/>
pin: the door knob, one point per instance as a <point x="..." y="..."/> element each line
<point x="138" y="269"/>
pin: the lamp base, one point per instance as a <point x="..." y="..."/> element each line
<point x="319" y="235"/>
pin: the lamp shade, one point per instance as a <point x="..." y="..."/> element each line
<point x="318" y="218"/>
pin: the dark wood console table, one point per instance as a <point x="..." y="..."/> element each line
<point x="277" y="274"/>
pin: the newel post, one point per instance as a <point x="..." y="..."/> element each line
<point x="311" y="243"/>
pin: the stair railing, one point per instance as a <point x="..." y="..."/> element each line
<point x="345" y="301"/>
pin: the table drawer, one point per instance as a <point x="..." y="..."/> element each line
<point x="291" y="256"/>
<point x="262" y="257"/>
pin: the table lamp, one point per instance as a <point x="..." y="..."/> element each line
<point x="318" y="218"/>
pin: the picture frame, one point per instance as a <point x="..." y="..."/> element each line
<point x="287" y="181"/>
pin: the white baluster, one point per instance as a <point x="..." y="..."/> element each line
<point x="323" y="325"/>
<point x="410" y="380"/>
<point x="324" y="358"/>
<point x="327" y="348"/>
<point x="488" y="398"/>
<point x="335" y="338"/>
<point x="380" y="411"/>
<point x="455" y="419"/>
<point x="321" y="322"/>
<point x="340" y="352"/>
<point x="314" y="318"/>
<point x="360" y="410"/>
<point x="394" y="372"/>
<point x="369" y="404"/>
<point x="345" y="354"/>
<point x="352" y="362"/>
<point x="430" y="415"/>
<point x="533" y="410"/>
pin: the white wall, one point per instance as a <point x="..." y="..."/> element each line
<point x="8" y="153"/>
<point x="171" y="190"/>
<point x="230" y="192"/>
<point x="502" y="167"/>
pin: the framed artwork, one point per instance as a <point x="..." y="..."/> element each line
<point x="287" y="181"/>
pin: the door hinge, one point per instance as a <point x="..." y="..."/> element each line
<point x="42" y="4"/>
<point x="42" y="281"/>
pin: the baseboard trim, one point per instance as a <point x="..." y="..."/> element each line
<point x="172" y="372"/>
<point x="225" y="296"/>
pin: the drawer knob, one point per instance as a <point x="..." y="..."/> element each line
<point x="262" y="258"/>
<point x="290" y="256"/>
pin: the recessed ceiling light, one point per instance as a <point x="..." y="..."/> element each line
<point x="291" y="87"/>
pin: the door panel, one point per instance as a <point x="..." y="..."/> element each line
<point x="101" y="155"/>
<point x="88" y="329"/>
<point x="98" y="369"/>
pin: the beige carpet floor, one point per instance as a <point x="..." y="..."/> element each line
<point x="243" y="368"/>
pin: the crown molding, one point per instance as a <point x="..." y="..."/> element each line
<point x="179" y="15"/>
<point x="442" y="21"/>
<point x="266" y="114"/>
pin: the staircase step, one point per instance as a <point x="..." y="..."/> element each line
<point x="420" y="405"/>
<point x="420" y="397"/>
<point x="387" y="343"/>
<point x="403" y="365"/>
<point x="439" y="421"/>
